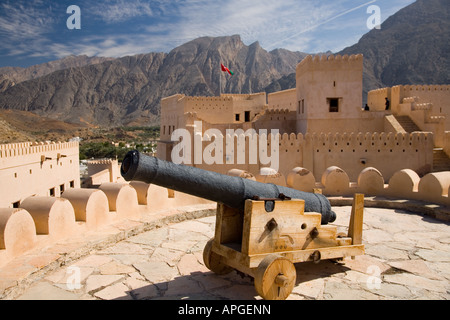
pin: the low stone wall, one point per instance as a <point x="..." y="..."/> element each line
<point x="42" y="221"/>
<point x="404" y="184"/>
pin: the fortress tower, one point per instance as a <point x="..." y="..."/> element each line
<point x="329" y="94"/>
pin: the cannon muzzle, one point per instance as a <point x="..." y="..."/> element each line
<point x="229" y="190"/>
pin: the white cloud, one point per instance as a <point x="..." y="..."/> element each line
<point x="266" y="21"/>
<point x="290" y="24"/>
<point x="24" y="20"/>
<point x="112" y="11"/>
<point x="29" y="28"/>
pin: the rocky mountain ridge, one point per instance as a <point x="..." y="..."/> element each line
<point x="128" y="90"/>
<point x="410" y="48"/>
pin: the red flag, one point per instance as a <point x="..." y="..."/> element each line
<point x="225" y="69"/>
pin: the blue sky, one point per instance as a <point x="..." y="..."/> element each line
<point x="35" y="31"/>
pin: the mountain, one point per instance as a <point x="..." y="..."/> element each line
<point x="128" y="90"/>
<point x="411" y="47"/>
<point x="98" y="94"/>
<point x="9" y="76"/>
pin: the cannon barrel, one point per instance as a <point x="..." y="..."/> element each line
<point x="229" y="190"/>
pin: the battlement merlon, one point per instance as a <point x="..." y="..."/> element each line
<point x="323" y="62"/>
<point x="14" y="150"/>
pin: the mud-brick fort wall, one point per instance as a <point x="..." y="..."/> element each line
<point x="229" y="111"/>
<point x="387" y="151"/>
<point x="226" y="109"/>
<point x="436" y="95"/>
<point x="353" y="152"/>
<point x="170" y="113"/>
<point x="284" y="120"/>
<point x="44" y="169"/>
<point x="285" y="99"/>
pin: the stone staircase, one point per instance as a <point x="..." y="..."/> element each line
<point x="441" y="161"/>
<point x="407" y="124"/>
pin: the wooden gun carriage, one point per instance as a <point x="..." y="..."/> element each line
<point x="266" y="244"/>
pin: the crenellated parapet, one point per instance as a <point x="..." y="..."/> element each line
<point x="13" y="150"/>
<point x="389" y="152"/>
<point x="324" y="62"/>
<point x="200" y="99"/>
<point x="277" y="111"/>
<point x="31" y="168"/>
<point x="409" y="89"/>
<point x="370" y="143"/>
<point x="101" y="162"/>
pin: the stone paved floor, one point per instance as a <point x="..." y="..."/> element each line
<point x="407" y="257"/>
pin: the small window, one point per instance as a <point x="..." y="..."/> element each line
<point x="247" y="116"/>
<point x="61" y="188"/>
<point x="237" y="116"/>
<point x="16" y="204"/>
<point x="334" y="104"/>
<point x="52" y="192"/>
<point x="72" y="184"/>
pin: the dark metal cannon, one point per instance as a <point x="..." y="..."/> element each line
<point x="229" y="190"/>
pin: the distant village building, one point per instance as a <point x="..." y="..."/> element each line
<point x="322" y="122"/>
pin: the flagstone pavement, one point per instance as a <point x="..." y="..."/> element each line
<point x="407" y="257"/>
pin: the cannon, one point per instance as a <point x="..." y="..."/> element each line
<point x="229" y="190"/>
<point x="261" y="229"/>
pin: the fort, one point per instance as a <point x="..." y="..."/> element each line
<point x="327" y="142"/>
<point x="322" y="122"/>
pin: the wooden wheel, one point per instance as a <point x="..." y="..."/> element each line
<point x="275" y="277"/>
<point x="213" y="261"/>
